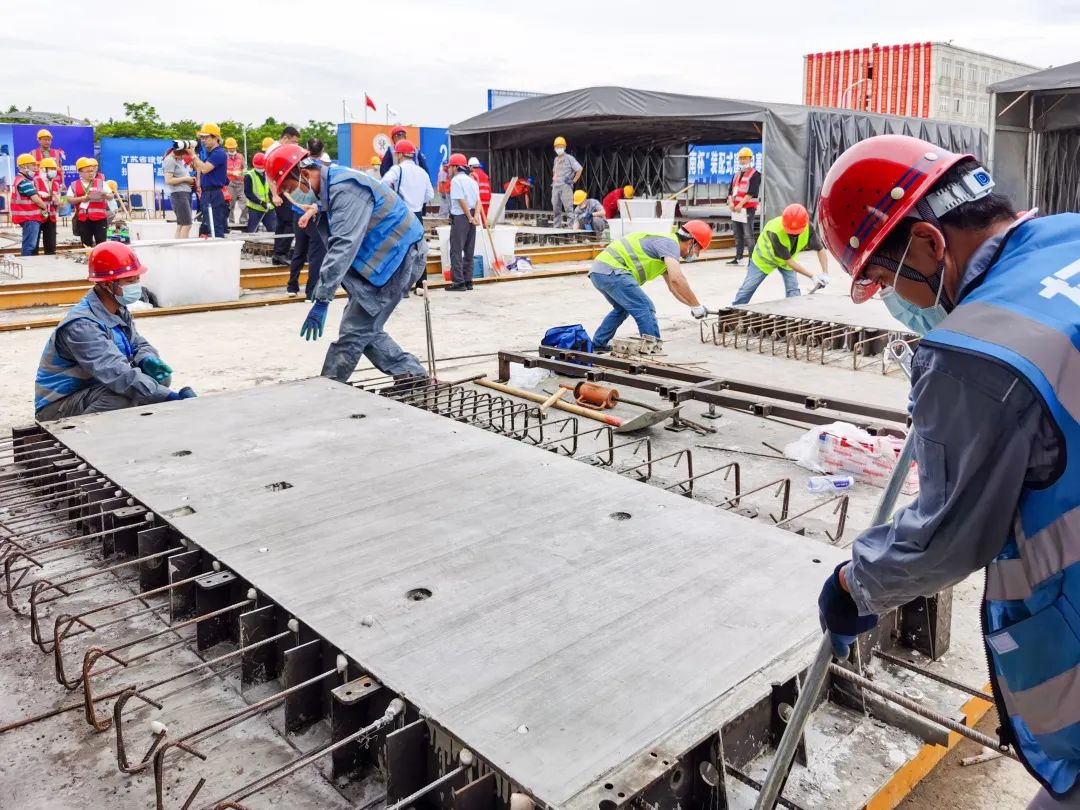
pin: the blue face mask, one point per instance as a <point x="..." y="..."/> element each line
<point x="303" y="197"/>
<point x="918" y="319"/>
<point x="129" y="294"/>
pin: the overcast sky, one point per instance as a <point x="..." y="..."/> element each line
<point x="433" y="60"/>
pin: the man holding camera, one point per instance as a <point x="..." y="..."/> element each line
<point x="213" y="179"/>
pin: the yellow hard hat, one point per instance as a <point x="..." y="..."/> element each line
<point x="82" y="163"/>
<point x="579" y="197"/>
<point x="745" y="152"/>
<point x="628" y="192"/>
<point x="24" y="159"/>
<point x="43" y="133"/>
<point x="210" y="129"/>
<point x="230" y="143"/>
<point x="48" y="163"/>
<point x="560" y="141"/>
<point x="112" y="185"/>
<point x="267" y="142"/>
<point x="376" y="160"/>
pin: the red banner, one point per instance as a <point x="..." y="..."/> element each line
<point x="916" y="79"/>
<point x="845" y="78"/>
<point x="905" y="77"/>
<point x="894" y="79"/>
<point x="834" y="84"/>
<point x="875" y="80"/>
<point x="826" y="100"/>
<point x="926" y="81"/>
<point x="808" y="79"/>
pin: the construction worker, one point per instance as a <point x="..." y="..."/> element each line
<point x="257" y="196"/>
<point x="611" y="200"/>
<point x="782" y="239"/>
<point x="411" y="183"/>
<point x="464" y="217"/>
<point x="51" y="188"/>
<point x="284" y="227"/>
<point x="90" y="197"/>
<point x="373" y="168"/>
<point x="483" y="182"/>
<point x="96" y="360"/>
<point x="442" y="190"/>
<point x="213" y="180"/>
<point x="29" y="203"/>
<point x="308" y="246"/>
<point x="234" y="170"/>
<point x="628" y="263"/>
<point x="994" y="408"/>
<point x="396" y="134"/>
<point x="375" y="249"/>
<point x="520" y="195"/>
<point x="742" y="199"/>
<point x="46" y="150"/>
<point x="565" y="172"/>
<point x="588" y="214"/>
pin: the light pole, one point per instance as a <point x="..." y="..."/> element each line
<point x="844" y="95"/>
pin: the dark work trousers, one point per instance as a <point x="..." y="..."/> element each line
<point x="420" y="281"/>
<point x="48" y="237"/>
<point x="462" y="244"/>
<point x="307" y="246"/>
<point x="213" y="207"/>
<point x="744" y="234"/>
<point x="267" y="218"/>
<point x="93" y="231"/>
<point x="283" y="242"/>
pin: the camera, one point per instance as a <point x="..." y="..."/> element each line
<point x="182" y="145"/>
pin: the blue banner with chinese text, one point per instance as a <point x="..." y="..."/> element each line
<point x="717" y="163"/>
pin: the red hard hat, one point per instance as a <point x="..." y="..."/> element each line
<point x="282" y="159"/>
<point x="699" y="231"/>
<point x="110" y="261"/>
<point x="795" y="219"/>
<point x="458" y="159"/>
<point x="259" y="160"/>
<point x="405" y="147"/>
<point x="868" y="191"/>
<point x="397" y="131"/>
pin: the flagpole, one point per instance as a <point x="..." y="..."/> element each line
<point x="344" y="120"/>
<point x="388" y="115"/>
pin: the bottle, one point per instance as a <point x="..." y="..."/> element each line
<point x="820" y="484"/>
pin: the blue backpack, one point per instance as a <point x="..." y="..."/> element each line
<point x="574" y="338"/>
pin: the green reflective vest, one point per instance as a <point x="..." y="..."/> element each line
<point x="261" y="189"/>
<point x="765" y="258"/>
<point x="626" y="254"/>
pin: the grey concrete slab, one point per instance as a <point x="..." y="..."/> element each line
<point x="41" y="269"/>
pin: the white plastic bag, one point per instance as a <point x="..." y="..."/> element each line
<point x="527" y="378"/>
<point x="805" y="452"/>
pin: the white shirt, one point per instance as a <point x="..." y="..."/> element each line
<point x="411" y="183"/>
<point x="463" y="189"/>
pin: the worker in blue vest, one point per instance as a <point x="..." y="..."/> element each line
<point x="995" y="404"/>
<point x="375" y="248"/>
<point x="96" y="360"/>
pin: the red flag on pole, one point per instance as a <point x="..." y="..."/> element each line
<point x="369" y="103"/>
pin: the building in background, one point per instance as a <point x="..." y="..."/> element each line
<point x="921" y="79"/>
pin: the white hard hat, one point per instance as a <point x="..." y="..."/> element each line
<point x="474" y="162"/>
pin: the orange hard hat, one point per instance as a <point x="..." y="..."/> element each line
<point x="458" y="159"/>
<point x="282" y="160"/>
<point x="869" y="190"/>
<point x="697" y="230"/>
<point x="404" y="147"/>
<point x="111" y="261"/>
<point x="795" y="219"/>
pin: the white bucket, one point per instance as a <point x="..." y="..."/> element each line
<point x="150" y="230"/>
<point x="504" y="237"/>
<point x="201" y="271"/>
<point x="646" y="208"/>
<point x="620" y="227"/>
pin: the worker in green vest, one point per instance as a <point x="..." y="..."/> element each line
<point x="781" y="240"/>
<point x="626" y="264"/>
<point x="258" y="198"/>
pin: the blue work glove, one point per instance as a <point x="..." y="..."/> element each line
<point x="155" y="367"/>
<point x="185" y="393"/>
<point x="840" y="616"/>
<point x="315" y="321"/>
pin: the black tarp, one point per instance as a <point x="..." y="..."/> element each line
<point x="1062" y="77"/>
<point x="623" y="135"/>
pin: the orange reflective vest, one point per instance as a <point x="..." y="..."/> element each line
<point x="93" y="210"/>
<point x="23" y="208"/>
<point x="234" y="167"/>
<point x="740" y="187"/>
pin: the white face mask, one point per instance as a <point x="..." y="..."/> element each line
<point x="744" y="166"/>
<point x="230" y="152"/>
<point x="50" y="173"/>
<point x="559" y="150"/>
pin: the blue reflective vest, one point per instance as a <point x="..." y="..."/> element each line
<point x="1025" y="313"/>
<point x="57" y="376"/>
<point x="392" y="230"/>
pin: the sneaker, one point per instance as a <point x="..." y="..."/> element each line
<point x="276" y="259"/>
<point x="468" y="286"/>
<point x="455" y="288"/>
<point x="735" y="261"/>
<point x="293" y="293"/>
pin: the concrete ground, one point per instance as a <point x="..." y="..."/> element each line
<point x="214" y="352"/>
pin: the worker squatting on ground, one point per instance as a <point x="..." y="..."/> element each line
<point x="396" y="134"/>
<point x="96" y="360"/>
<point x="375" y="249"/>
<point x="611" y="200"/>
<point x="588" y="214"/>
<point x="464" y="217"/>
<point x="29" y="203"/>
<point x="257" y="196"/>
<point x="782" y="238"/>
<point x="90" y="198"/>
<point x="743" y="202"/>
<point x="995" y="408"/>
<point x="234" y="169"/>
<point x="626" y="264"/>
<point x="411" y="183"/>
<point x="565" y="172"/>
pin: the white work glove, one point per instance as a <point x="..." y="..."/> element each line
<point x="821" y="280"/>
<point x="699" y="312"/>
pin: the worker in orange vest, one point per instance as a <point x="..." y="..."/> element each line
<point x="442" y="190"/>
<point x="234" y="171"/>
<point x="46" y="150"/>
<point x="476" y="171"/>
<point x="520" y="193"/>
<point x="90" y="197"/>
<point x="28" y="205"/>
<point x="743" y="202"/>
<point x="50" y="182"/>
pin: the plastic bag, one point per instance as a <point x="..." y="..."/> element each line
<point x="805" y="451"/>
<point x="528" y="378"/>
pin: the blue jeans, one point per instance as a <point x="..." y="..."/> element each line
<point x="626" y="299"/>
<point x="753" y="280"/>
<point x="31" y="231"/>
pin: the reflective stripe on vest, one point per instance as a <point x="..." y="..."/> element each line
<point x="1026" y="314"/>
<point x="93" y="210"/>
<point x="391" y="231"/>
<point x="483" y="182"/>
<point x="58" y="377"/>
<point x="261" y="189"/>
<point x="46" y="188"/>
<point x="740" y="187"/>
<point x="23" y="208"/>
<point x="627" y="254"/>
<point x="765" y="258"/>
